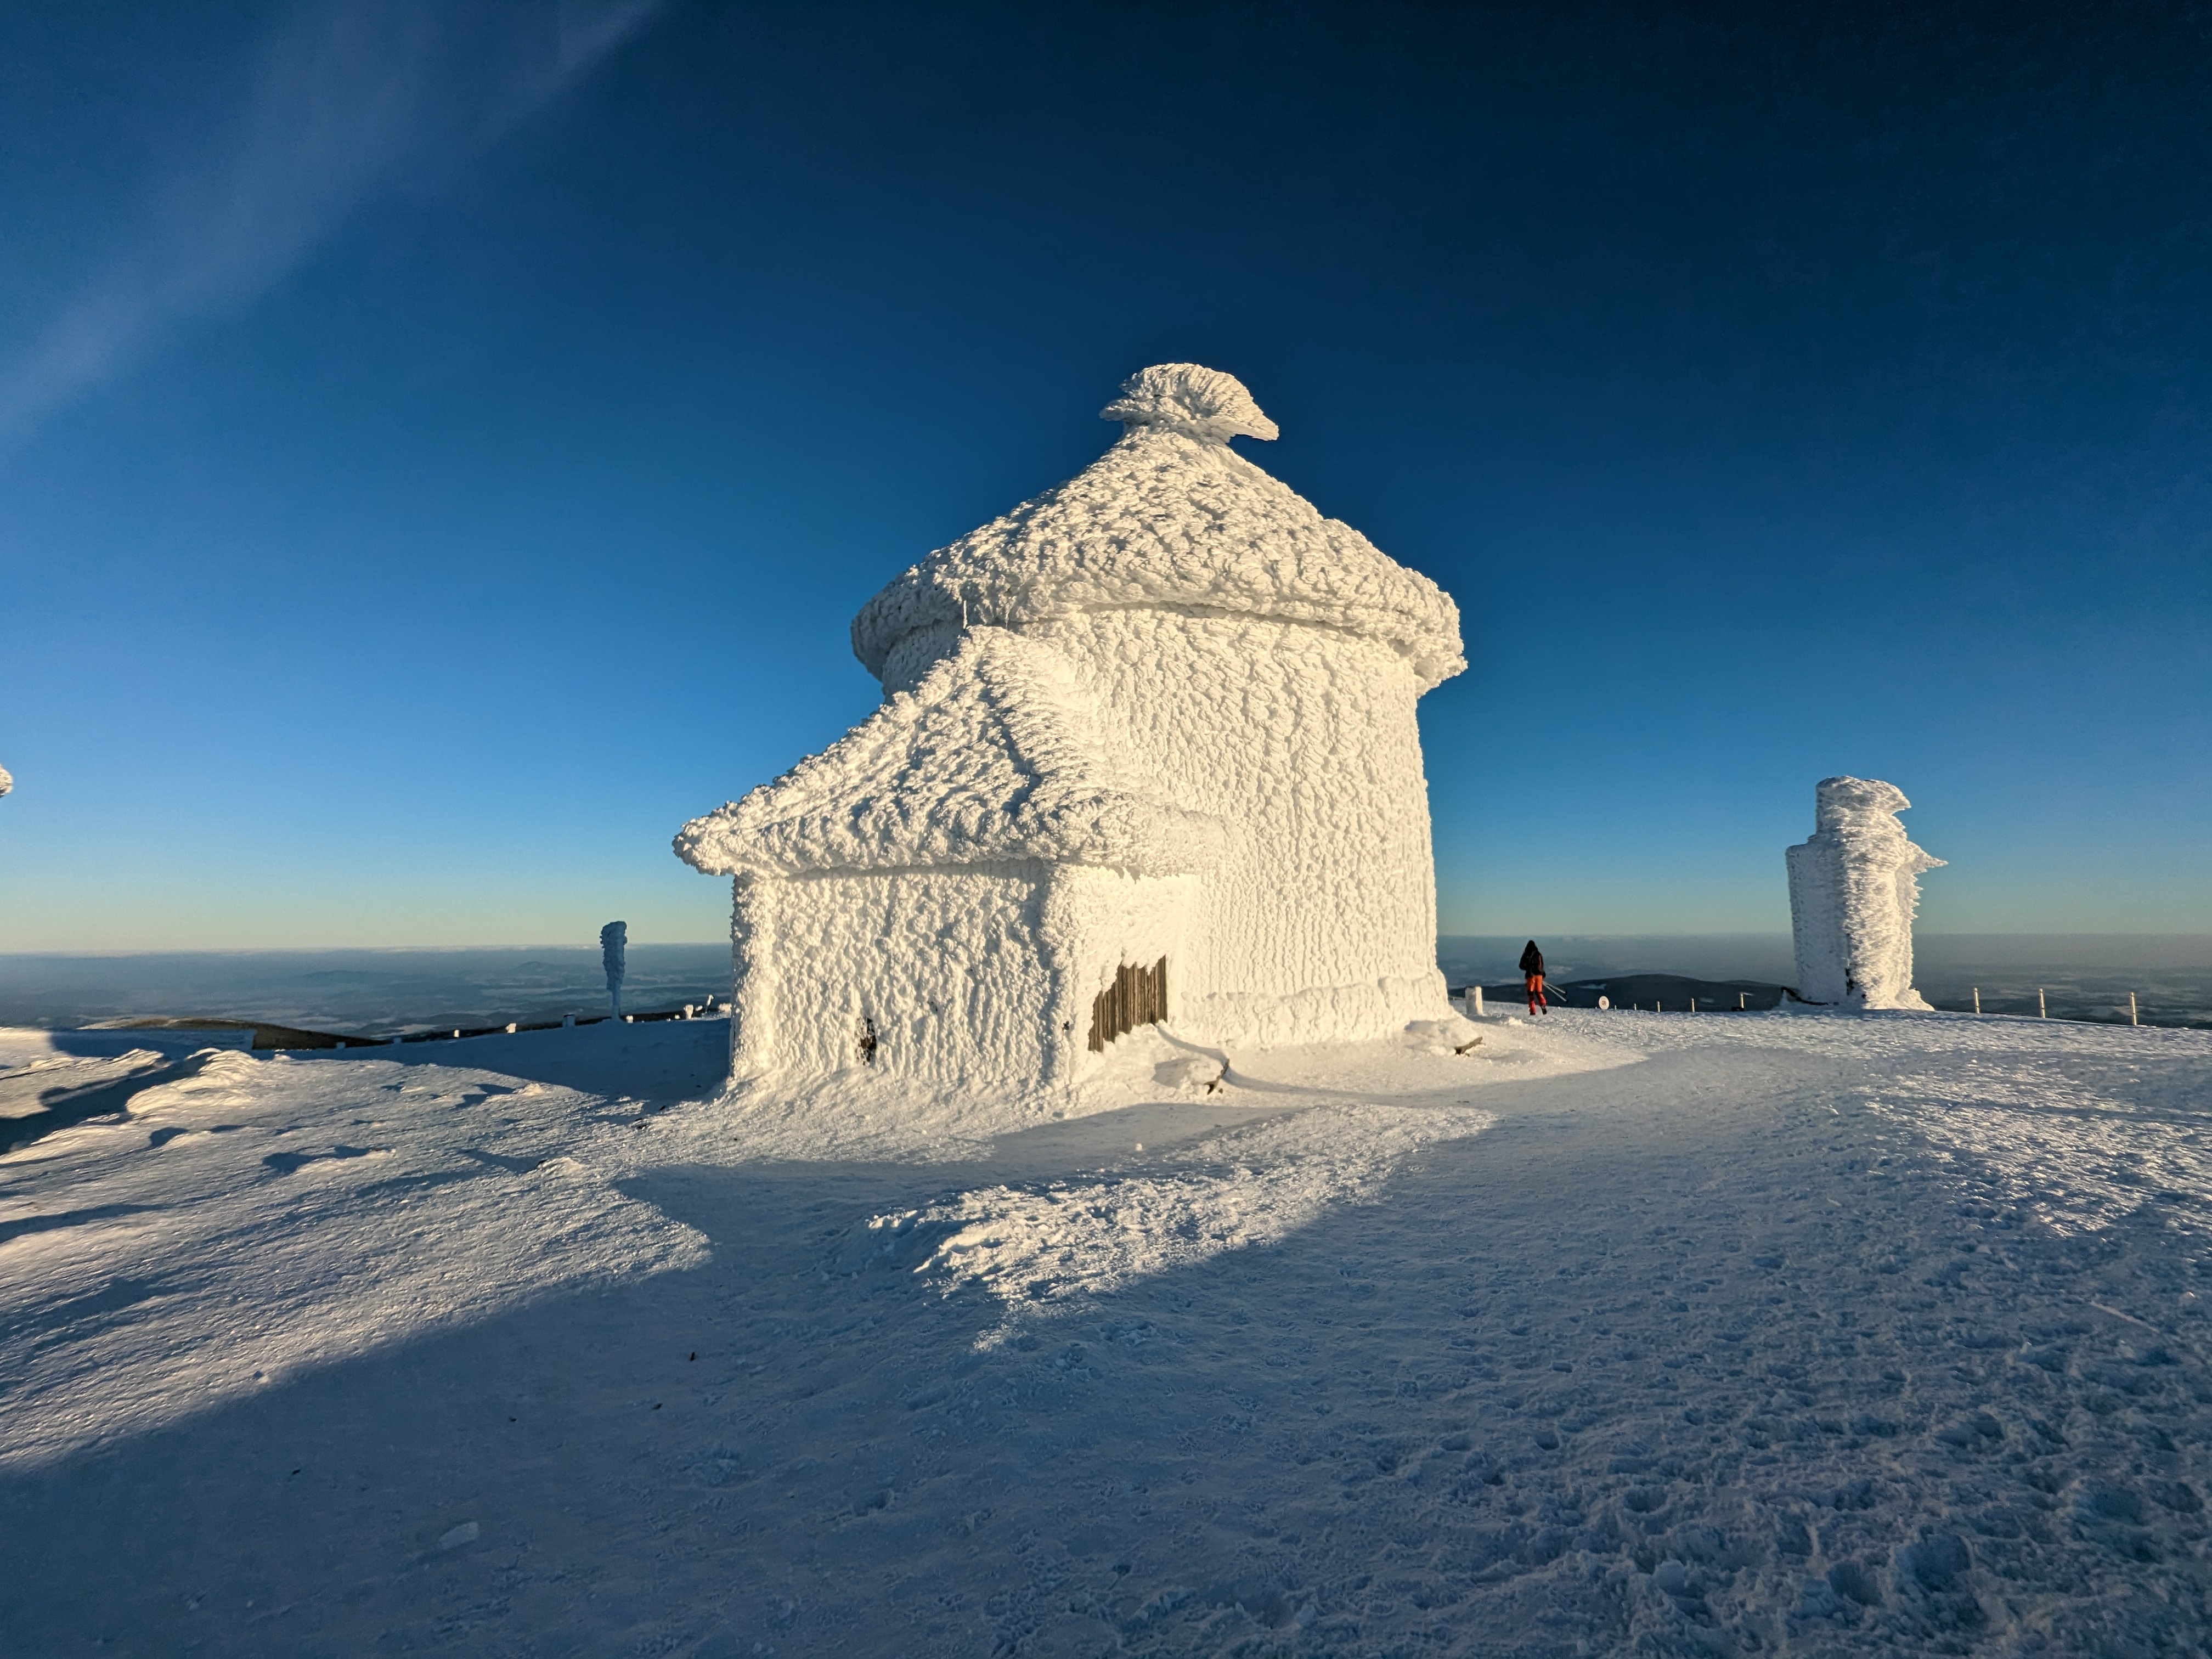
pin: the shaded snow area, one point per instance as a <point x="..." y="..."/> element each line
<point x="1663" y="1334"/>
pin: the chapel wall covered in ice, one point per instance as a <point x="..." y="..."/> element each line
<point x="1318" y="923"/>
<point x="1854" y="889"/>
<point x="960" y="974"/>
<point x="1163" y="710"/>
<point x="844" y="991"/>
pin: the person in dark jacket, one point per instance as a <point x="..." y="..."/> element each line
<point x="1532" y="968"/>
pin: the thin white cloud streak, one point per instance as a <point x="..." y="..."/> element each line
<point x="349" y="98"/>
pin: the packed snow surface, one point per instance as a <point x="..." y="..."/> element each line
<point x="1672" y="1334"/>
<point x="1854" y="889"/>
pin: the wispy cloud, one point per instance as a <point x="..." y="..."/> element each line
<point x="348" y="98"/>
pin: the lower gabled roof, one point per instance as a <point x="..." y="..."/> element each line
<point x="997" y="755"/>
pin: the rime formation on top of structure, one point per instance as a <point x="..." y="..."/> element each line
<point x="1200" y="403"/>
<point x="1854" y="888"/>
<point x="997" y="755"/>
<point x="6" y="782"/>
<point x="1170" y="516"/>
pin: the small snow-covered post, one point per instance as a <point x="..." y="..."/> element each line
<point x="2041" y="1008"/>
<point x="614" y="947"/>
<point x="2133" y="1017"/>
<point x="1474" y="1000"/>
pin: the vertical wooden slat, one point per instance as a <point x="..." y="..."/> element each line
<point x="1138" y="996"/>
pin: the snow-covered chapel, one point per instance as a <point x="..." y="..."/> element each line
<point x="1147" y="751"/>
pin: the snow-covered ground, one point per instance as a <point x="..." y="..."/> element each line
<point x="1667" y="1334"/>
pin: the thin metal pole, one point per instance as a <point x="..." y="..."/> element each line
<point x="2133" y="1019"/>
<point x="1977" y="998"/>
<point x="2041" y="1008"/>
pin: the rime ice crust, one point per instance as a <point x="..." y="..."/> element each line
<point x="1200" y="403"/>
<point x="1854" y="888"/>
<point x="1165" y="710"/>
<point x="1170" y="515"/>
<point x="996" y="756"/>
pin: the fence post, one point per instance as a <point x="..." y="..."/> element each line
<point x="2041" y="1008"/>
<point x="2133" y="1019"/>
<point x="1977" y="998"/>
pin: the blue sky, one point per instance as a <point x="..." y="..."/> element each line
<point x="441" y="445"/>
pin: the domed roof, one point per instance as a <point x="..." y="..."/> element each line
<point x="1170" y="515"/>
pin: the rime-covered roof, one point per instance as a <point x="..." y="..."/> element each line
<point x="1170" y="515"/>
<point x="996" y="755"/>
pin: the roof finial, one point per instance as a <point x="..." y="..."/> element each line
<point x="1200" y="403"/>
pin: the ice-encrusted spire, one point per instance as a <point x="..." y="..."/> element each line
<point x="1189" y="398"/>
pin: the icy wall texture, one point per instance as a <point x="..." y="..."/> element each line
<point x="1184" y="694"/>
<point x="1318" y="923"/>
<point x="1853" y="888"/>
<point x="940" y="964"/>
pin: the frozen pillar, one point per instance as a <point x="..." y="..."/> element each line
<point x="614" y="948"/>
<point x="1853" y="889"/>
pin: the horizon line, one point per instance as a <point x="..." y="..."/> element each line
<point x="303" y="949"/>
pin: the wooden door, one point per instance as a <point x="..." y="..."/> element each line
<point x="1138" y="996"/>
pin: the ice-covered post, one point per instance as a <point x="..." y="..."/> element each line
<point x="614" y="945"/>
<point x="1853" y="887"/>
<point x="1977" y="998"/>
<point x="2041" y="1008"/>
<point x="2132" y="1018"/>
